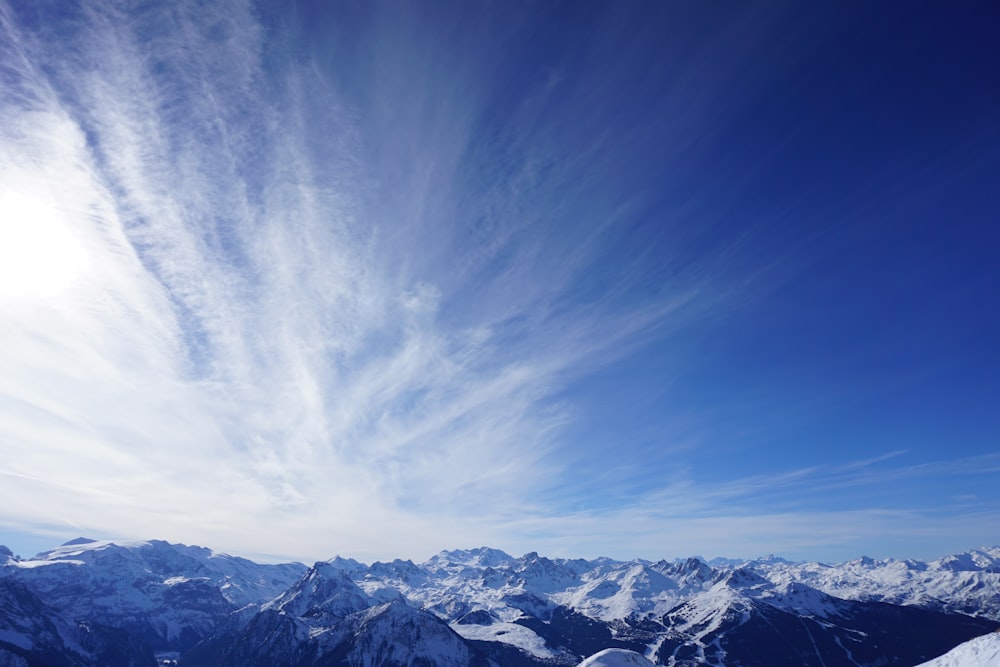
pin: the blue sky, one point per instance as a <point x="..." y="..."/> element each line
<point x="648" y="279"/>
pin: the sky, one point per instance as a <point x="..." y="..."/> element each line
<point x="377" y="279"/>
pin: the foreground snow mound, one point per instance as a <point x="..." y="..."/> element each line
<point x="979" y="652"/>
<point x="616" y="657"/>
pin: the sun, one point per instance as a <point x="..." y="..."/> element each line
<point x="41" y="254"/>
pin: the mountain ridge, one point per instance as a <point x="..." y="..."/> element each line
<point x="500" y="609"/>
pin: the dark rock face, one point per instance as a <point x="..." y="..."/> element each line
<point x="32" y="633"/>
<point x="269" y="638"/>
<point x="113" y="646"/>
<point x="478" y="617"/>
<point x="582" y="636"/>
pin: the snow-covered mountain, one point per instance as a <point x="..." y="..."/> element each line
<point x="744" y="620"/>
<point x="968" y="582"/>
<point x="979" y="652"/>
<point x="326" y="618"/>
<point x="169" y="596"/>
<point x="483" y="606"/>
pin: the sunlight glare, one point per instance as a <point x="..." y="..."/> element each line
<point x="40" y="255"/>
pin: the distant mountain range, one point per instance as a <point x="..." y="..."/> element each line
<point x="89" y="603"/>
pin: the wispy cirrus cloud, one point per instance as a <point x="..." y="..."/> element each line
<point x="255" y="332"/>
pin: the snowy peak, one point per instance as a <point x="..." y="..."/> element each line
<point x="617" y="591"/>
<point x="690" y="569"/>
<point x="638" y="581"/>
<point x="397" y="634"/>
<point x="747" y="583"/>
<point x="325" y="593"/>
<point x="86" y="549"/>
<point x="771" y="559"/>
<point x="402" y="571"/>
<point x="348" y="565"/>
<point x="743" y="578"/>
<point x="804" y="600"/>
<point x="977" y="560"/>
<point x="481" y="557"/>
<point x="542" y="575"/>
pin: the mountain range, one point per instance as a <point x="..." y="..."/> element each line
<point x="89" y="603"/>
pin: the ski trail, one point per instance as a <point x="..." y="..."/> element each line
<point x="815" y="648"/>
<point x="850" y="656"/>
<point x="654" y="648"/>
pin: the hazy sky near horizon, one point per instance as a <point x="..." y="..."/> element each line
<point x="296" y="279"/>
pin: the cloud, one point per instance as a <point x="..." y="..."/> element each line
<point x="221" y="331"/>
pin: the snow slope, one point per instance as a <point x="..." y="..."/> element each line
<point x="616" y="657"/>
<point x="979" y="652"/>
